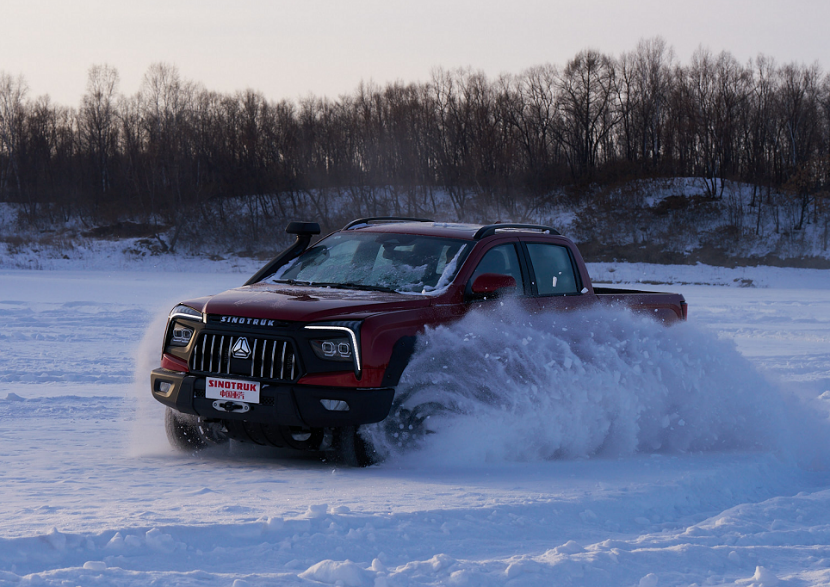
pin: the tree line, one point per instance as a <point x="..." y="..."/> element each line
<point x="175" y="151"/>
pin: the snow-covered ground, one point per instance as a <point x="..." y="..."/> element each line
<point x="618" y="452"/>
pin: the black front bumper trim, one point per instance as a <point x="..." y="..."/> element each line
<point x="280" y="404"/>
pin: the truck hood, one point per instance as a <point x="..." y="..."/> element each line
<point x="306" y="304"/>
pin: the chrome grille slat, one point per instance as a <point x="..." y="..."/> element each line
<point x="273" y="355"/>
<point x="216" y="359"/>
<point x="219" y="363"/>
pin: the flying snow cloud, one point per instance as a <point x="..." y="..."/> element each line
<point x="510" y="386"/>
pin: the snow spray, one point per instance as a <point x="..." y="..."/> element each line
<point x="598" y="382"/>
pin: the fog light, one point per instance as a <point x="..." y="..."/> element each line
<point x="164" y="386"/>
<point x="335" y="405"/>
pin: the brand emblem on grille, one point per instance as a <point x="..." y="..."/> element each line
<point x="241" y="350"/>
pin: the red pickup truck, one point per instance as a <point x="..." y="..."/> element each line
<point x="313" y="345"/>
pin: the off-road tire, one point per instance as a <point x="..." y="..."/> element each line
<point x="188" y="433"/>
<point x="351" y="449"/>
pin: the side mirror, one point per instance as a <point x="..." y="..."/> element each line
<point x="489" y="283"/>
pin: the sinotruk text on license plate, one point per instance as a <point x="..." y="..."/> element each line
<point x="232" y="389"/>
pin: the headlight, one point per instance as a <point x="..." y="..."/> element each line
<point x="186" y="312"/>
<point x="339" y="341"/>
<point x="181" y="335"/>
<point x="333" y="349"/>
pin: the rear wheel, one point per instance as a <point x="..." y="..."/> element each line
<point x="187" y="432"/>
<point x="351" y="449"/>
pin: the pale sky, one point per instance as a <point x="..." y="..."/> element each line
<point x="290" y="48"/>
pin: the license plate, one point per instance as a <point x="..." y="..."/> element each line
<point x="232" y="389"/>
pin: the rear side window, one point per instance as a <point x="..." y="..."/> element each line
<point x="553" y="268"/>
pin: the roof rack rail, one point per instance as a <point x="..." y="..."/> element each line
<point x="491" y="229"/>
<point x="354" y="223"/>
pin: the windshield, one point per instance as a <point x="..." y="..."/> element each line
<point x="378" y="261"/>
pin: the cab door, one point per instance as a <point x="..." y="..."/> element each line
<point x="555" y="283"/>
<point x="505" y="257"/>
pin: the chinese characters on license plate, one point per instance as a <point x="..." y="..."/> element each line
<point x="232" y="389"/>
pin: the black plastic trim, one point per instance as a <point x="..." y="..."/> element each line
<point x="295" y="250"/>
<point x="310" y="228"/>
<point x="402" y="351"/>
<point x="180" y="396"/>
<point x="288" y="405"/>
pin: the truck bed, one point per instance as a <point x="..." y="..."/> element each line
<point x="665" y="306"/>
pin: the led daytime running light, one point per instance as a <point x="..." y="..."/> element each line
<point x="185" y="312"/>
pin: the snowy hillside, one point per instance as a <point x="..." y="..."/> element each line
<point x="667" y="221"/>
<point x="595" y="449"/>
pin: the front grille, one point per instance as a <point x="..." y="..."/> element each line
<point x="269" y="358"/>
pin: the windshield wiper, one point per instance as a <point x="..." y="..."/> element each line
<point x="357" y="286"/>
<point x="292" y="282"/>
<point x="346" y="285"/>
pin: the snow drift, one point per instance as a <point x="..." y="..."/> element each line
<point x="506" y="385"/>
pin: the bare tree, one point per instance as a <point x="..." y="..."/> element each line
<point x="800" y="105"/>
<point x="715" y="87"/>
<point x="761" y="132"/>
<point x="587" y="85"/>
<point x="98" y="123"/>
<point x="644" y="79"/>
<point x="12" y="112"/>
<point x="451" y="142"/>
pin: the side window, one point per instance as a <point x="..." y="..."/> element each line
<point x="502" y="260"/>
<point x="553" y="268"/>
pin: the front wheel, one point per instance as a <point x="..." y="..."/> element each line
<point x="188" y="433"/>
<point x="351" y="449"/>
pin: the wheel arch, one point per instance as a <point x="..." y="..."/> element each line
<point x="402" y="352"/>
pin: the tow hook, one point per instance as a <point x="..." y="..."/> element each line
<point x="228" y="406"/>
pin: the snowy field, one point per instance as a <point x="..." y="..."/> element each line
<point x="596" y="450"/>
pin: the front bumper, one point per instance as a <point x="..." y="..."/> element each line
<point x="282" y="404"/>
